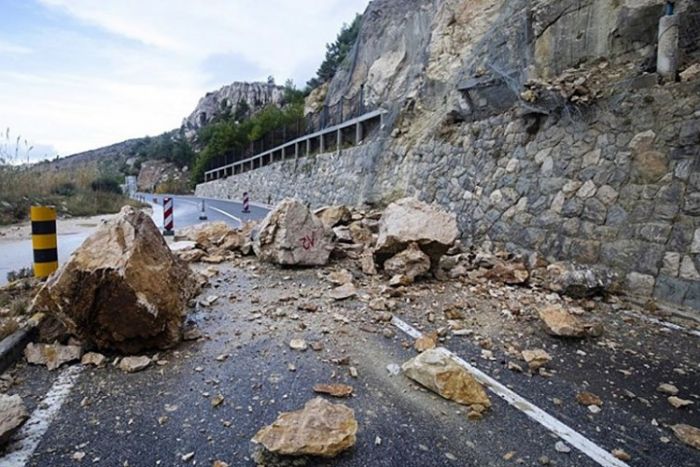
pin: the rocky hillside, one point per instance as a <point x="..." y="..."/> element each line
<point x="238" y="97"/>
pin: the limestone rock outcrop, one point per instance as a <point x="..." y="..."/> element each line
<point x="409" y="220"/>
<point x="319" y="429"/>
<point x="291" y="235"/>
<point x="122" y="289"/>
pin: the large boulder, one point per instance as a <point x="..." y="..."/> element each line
<point x="123" y="289"/>
<point x="435" y="370"/>
<point x="319" y="429"/>
<point x="412" y="221"/>
<point x="292" y="235"/>
<point x="12" y="415"/>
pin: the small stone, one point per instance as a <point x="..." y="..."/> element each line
<point x="679" y="403"/>
<point x="562" y="447"/>
<point x="393" y="369"/>
<point x="78" y="456"/>
<point x="335" y="390"/>
<point x="134" y="364"/>
<point x="588" y="398"/>
<point x="353" y="371"/>
<point x="217" y="400"/>
<point x="94" y="359"/>
<point x="341" y="277"/>
<point x="594" y="409"/>
<point x="52" y="355"/>
<point x="426" y="342"/>
<point x="343" y="292"/>
<point x="667" y="388"/>
<point x="560" y="323"/>
<point x="187" y="457"/>
<point x="298" y="344"/>
<point x="621" y="454"/>
<point x="536" y="358"/>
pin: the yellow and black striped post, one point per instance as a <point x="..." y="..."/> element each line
<point x="44" y="240"/>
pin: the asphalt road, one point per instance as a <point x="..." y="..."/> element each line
<point x="188" y="209"/>
<point x="157" y="416"/>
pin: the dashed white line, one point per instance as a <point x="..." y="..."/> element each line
<point x="568" y="434"/>
<point x="29" y="436"/>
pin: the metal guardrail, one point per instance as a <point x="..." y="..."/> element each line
<point x="330" y="117"/>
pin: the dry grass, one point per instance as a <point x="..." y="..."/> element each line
<point x="70" y="191"/>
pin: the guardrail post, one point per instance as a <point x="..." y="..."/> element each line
<point x="339" y="140"/>
<point x="320" y="144"/>
<point x="44" y="241"/>
<point x="358" y="133"/>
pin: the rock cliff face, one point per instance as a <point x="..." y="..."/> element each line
<point x="255" y="95"/>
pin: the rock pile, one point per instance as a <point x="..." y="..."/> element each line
<point x="122" y="289"/>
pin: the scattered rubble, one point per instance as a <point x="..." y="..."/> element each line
<point x="437" y="372"/>
<point x="52" y="355"/>
<point x="426" y="342"/>
<point x="319" y="429"/>
<point x="679" y="403"/>
<point x="588" y="398"/>
<point x="343" y="292"/>
<point x="514" y="273"/>
<point x="332" y="216"/>
<point x="574" y="280"/>
<point x="122" y="289"/>
<point x="12" y="415"/>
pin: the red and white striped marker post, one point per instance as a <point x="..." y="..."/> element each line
<point x="168" y="216"/>
<point x="246" y="203"/>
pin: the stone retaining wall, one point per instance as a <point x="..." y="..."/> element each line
<point x="617" y="184"/>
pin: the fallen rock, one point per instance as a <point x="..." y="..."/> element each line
<point x="690" y="435"/>
<point x="361" y="234"/>
<point x="508" y="273"/>
<point x="13" y="414"/>
<point x="94" y="359"/>
<point x="342" y="233"/>
<point x="292" y="235"/>
<point x="411" y="221"/>
<point x="367" y="263"/>
<point x="667" y="388"/>
<point x="574" y="280"/>
<point x="332" y="216"/>
<point x="343" y="292"/>
<point x="206" y="235"/>
<point x="691" y="73"/>
<point x="298" y="344"/>
<point x="335" y="390"/>
<point x="319" y="429"/>
<point x="536" y="358"/>
<point x="588" y="398"/>
<point x="122" y="289"/>
<point x="191" y="256"/>
<point x="426" y="342"/>
<point x="621" y="454"/>
<point x="410" y="263"/>
<point x="340" y="277"/>
<point x="438" y="372"/>
<point x="134" y="364"/>
<point x="679" y="403"/>
<point x="560" y="323"/>
<point x="52" y="355"/>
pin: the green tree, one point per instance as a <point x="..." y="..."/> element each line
<point x="336" y="53"/>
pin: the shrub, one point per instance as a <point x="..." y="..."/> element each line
<point x="106" y="184"/>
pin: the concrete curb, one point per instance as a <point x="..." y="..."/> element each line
<point x="12" y="347"/>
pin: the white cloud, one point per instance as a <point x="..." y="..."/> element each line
<point x="158" y="58"/>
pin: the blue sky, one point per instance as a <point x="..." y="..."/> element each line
<point x="80" y="74"/>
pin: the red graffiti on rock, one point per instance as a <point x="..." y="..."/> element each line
<point x="308" y="242"/>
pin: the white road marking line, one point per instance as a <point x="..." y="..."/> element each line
<point x="31" y="433"/>
<point x="227" y="214"/>
<point x="571" y="436"/>
<point x="666" y="324"/>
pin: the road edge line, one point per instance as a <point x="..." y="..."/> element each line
<point x="566" y="433"/>
<point x="32" y="432"/>
<point x="220" y="211"/>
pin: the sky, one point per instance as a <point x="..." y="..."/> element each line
<point x="81" y="74"/>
